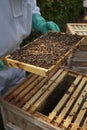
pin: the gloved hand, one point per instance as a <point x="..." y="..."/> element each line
<point x="40" y="24"/>
<point x="1" y="65"/>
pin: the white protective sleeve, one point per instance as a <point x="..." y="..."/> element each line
<point x="15" y="23"/>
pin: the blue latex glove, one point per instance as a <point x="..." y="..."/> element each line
<point x="1" y="65"/>
<point x="40" y="24"/>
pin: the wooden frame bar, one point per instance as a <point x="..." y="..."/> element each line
<point x="69" y="112"/>
<point x="38" y="70"/>
<point x="77" y="28"/>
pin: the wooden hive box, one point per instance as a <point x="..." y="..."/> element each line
<point x="54" y="48"/>
<point x="77" y="28"/>
<point x="55" y="103"/>
<point x="78" y="59"/>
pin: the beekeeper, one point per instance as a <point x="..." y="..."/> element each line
<point x="17" y="17"/>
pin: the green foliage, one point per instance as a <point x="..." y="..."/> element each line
<point x="61" y="11"/>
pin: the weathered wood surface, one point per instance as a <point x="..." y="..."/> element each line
<point x="39" y="70"/>
<point x="77" y="28"/>
<point x="70" y="112"/>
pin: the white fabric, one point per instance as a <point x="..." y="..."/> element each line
<point x="16" y="8"/>
<point x="84" y="3"/>
<point x="9" y="78"/>
<point x="15" y="24"/>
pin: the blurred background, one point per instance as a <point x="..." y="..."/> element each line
<point x="59" y="11"/>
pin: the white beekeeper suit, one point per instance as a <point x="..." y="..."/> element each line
<point x="15" y="25"/>
<point x="16" y="19"/>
